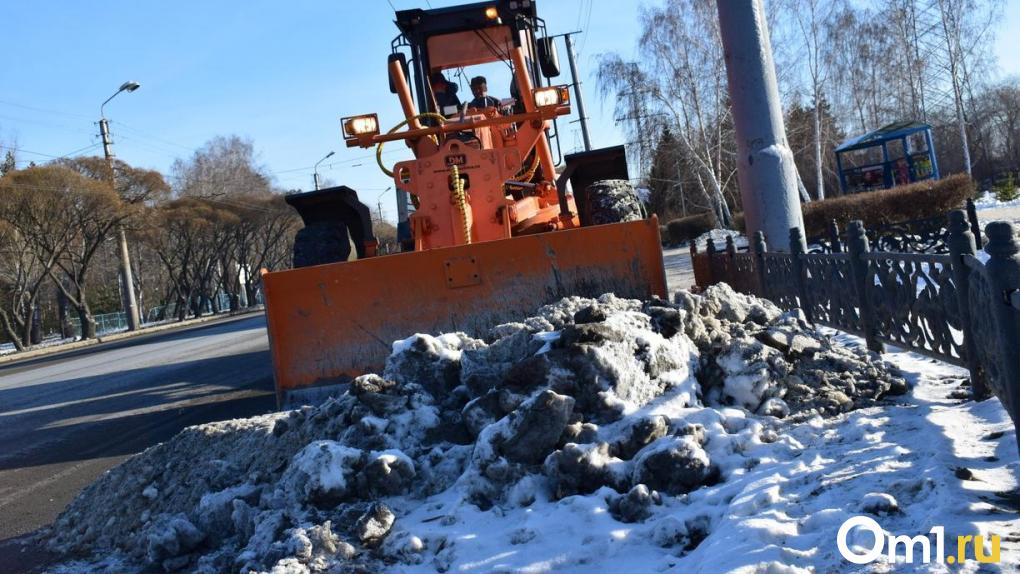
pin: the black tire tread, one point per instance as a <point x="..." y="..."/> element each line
<point x="613" y="201"/>
<point x="321" y="243"/>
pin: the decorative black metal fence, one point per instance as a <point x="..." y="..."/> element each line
<point x="950" y="306"/>
<point x="915" y="236"/>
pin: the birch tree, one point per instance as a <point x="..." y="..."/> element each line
<point x="682" y="77"/>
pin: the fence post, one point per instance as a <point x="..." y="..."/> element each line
<point x="710" y="252"/>
<point x="975" y="227"/>
<point x="797" y="266"/>
<point x="834" y="243"/>
<point x="1003" y="272"/>
<point x="758" y="248"/>
<point x="961" y="242"/>
<point x="700" y="278"/>
<point x="731" y="267"/>
<point x="858" y="245"/>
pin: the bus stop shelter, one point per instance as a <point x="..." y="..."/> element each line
<point x="895" y="154"/>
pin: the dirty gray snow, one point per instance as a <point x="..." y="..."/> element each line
<point x="593" y="416"/>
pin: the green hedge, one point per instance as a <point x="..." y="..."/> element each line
<point x="688" y="228"/>
<point x="920" y="200"/>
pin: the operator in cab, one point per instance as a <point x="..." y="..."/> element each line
<point x="480" y="90"/>
<point x="446" y="94"/>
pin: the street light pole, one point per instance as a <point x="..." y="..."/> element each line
<point x="582" y="117"/>
<point x="378" y="201"/>
<point x="315" y="172"/>
<point x="128" y="301"/>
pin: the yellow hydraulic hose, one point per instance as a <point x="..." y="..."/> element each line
<point x="458" y="196"/>
<point x="379" y="148"/>
<point x="527" y="176"/>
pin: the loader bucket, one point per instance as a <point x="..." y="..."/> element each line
<point x="331" y="323"/>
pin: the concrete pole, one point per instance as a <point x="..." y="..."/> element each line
<point x="582" y="117"/>
<point x="765" y="168"/>
<point x="127" y="280"/>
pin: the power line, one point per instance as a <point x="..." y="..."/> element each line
<point x="45" y="124"/>
<point x="144" y="135"/>
<point x="23" y="150"/>
<point x="44" y="110"/>
<point x="587" y="23"/>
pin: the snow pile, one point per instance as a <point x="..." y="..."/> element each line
<point x="584" y="434"/>
<point x="988" y="200"/>
<point x="761" y="359"/>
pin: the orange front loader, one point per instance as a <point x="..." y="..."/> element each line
<point x="495" y="232"/>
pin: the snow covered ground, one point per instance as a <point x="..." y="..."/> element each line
<point x="989" y="201"/>
<point x="8" y="348"/>
<point x="716" y="434"/>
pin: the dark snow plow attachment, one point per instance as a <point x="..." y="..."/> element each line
<point x="330" y="323"/>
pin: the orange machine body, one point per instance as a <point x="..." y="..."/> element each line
<point x="487" y="148"/>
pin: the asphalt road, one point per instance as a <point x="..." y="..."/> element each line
<point x="67" y="418"/>
<point x="679" y="268"/>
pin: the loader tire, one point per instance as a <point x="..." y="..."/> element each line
<point x="612" y="201"/>
<point x="321" y="243"/>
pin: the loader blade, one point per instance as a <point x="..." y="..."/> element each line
<point x="331" y="323"/>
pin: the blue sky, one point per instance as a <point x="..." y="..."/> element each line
<point x="280" y="73"/>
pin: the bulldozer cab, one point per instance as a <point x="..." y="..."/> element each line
<point x="450" y="40"/>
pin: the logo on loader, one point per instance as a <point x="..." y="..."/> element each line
<point x="456" y="159"/>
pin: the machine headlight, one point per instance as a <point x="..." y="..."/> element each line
<point x="367" y="124"/>
<point x="551" y="96"/>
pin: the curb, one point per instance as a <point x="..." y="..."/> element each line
<point x="36" y="353"/>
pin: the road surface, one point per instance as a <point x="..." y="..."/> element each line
<point x="67" y="418"/>
<point x="679" y="269"/>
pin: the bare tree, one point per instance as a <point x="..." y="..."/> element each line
<point x="223" y="167"/>
<point x="34" y="204"/>
<point x="681" y="79"/>
<point x="102" y="201"/>
<point x="814" y="19"/>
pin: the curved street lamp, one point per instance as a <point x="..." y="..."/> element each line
<point x="125" y="87"/>
<point x="315" y="173"/>
<point x="378" y="201"/>
<point x="129" y="303"/>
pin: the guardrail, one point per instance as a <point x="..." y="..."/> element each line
<point x="953" y="307"/>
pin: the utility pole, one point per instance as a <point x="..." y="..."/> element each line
<point x="315" y="171"/>
<point x="129" y="303"/>
<point x="582" y="116"/>
<point x="378" y="201"/>
<point x="765" y="168"/>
